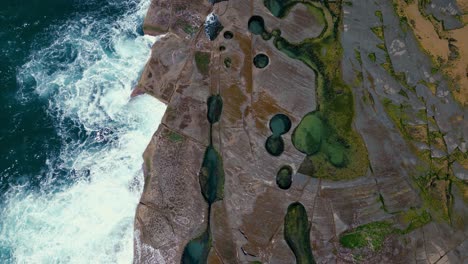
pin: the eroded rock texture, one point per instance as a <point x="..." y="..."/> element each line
<point x="385" y="181"/>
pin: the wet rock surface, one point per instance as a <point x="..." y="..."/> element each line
<point x="372" y="154"/>
<point x="212" y="26"/>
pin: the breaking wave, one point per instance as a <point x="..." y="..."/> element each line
<point x="83" y="210"/>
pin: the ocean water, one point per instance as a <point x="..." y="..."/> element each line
<point x="71" y="138"/>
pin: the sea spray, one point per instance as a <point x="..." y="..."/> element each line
<point x="83" y="211"/>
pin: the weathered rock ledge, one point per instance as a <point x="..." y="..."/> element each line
<point x="247" y="223"/>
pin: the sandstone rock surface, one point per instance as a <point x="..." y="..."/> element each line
<point x="424" y="214"/>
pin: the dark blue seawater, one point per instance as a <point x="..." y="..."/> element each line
<point x="71" y="138"/>
<point x="27" y="133"/>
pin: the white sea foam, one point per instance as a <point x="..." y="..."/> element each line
<point x="91" y="219"/>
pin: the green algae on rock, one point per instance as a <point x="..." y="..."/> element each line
<point x="297" y="233"/>
<point x="197" y="250"/>
<point x="274" y="145"/>
<point x="215" y="107"/>
<point x="284" y="177"/>
<point x="335" y="101"/>
<point x="309" y="134"/>
<point x="211" y="179"/>
<point x="175" y="137"/>
<point x="313" y="135"/>
<point x="212" y="176"/>
<point x="336" y="152"/>
<point x="371" y="235"/>
<point x="202" y="61"/>
<point x="212" y="173"/>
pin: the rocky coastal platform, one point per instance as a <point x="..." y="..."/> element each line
<point x="300" y="132"/>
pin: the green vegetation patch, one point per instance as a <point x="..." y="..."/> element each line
<point x="215" y="108"/>
<point x="318" y="13"/>
<point x="189" y="29"/>
<point x="415" y="218"/>
<point x="284" y="177"/>
<point x="379" y="32"/>
<point x="397" y="114"/>
<point x="198" y="249"/>
<point x="336" y="152"/>
<point x="403" y="93"/>
<point x="202" y="61"/>
<point x="378" y="14"/>
<point x="274" y="145"/>
<point x="297" y="233"/>
<point x="435" y="193"/>
<point x="382" y="46"/>
<point x="335" y="105"/>
<point x="313" y="135"/>
<point x="373" y="235"/>
<point x="458" y="155"/>
<point x="372" y="57"/>
<point x="370" y="235"/>
<point x="309" y="134"/>
<point x="357" y="55"/>
<point x="175" y="137"/>
<point x="212" y="176"/>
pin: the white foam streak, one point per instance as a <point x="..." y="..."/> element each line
<point x="90" y="221"/>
